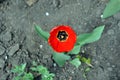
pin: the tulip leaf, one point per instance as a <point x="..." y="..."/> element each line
<point x="41" y="32"/>
<point x="111" y="8"/>
<point x="90" y="37"/>
<point x="76" y="62"/>
<point x="60" y="58"/>
<point x="75" y="50"/>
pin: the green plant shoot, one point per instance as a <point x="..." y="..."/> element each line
<point x="111" y="8"/>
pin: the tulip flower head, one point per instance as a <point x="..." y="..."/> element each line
<point x="62" y="38"/>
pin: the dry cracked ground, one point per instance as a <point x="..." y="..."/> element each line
<point x="19" y="42"/>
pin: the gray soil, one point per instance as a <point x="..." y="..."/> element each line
<point x="19" y="42"/>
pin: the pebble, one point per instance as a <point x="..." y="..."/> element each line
<point x="110" y="69"/>
<point x="101" y="16"/>
<point x="30" y="2"/>
<point x="111" y="49"/>
<point x="47" y="14"/>
<point x="41" y="46"/>
<point x="113" y="66"/>
<point x="72" y="72"/>
<point x="13" y="49"/>
<point x="6" y="57"/>
<point x="108" y="64"/>
<point x="1" y="63"/>
<point x="6" y="37"/>
<point x="96" y="62"/>
<point x="110" y="32"/>
<point x="2" y="50"/>
<point x="54" y="65"/>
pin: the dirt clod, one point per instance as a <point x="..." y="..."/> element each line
<point x="2" y="50"/>
<point x="13" y="49"/>
<point x="2" y="62"/>
<point x="5" y="37"/>
<point x="30" y="2"/>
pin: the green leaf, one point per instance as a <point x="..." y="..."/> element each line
<point x="48" y="76"/>
<point x="112" y="7"/>
<point x="60" y="58"/>
<point x="87" y="61"/>
<point x="87" y="69"/>
<point x="41" y="32"/>
<point x="76" y="62"/>
<point x="43" y="71"/>
<point x="90" y="37"/>
<point x="16" y="78"/>
<point x="34" y="69"/>
<point x="19" y="68"/>
<point x="75" y="50"/>
<point x="40" y="69"/>
<point x="28" y="76"/>
<point x="23" y="67"/>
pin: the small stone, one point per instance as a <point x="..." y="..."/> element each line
<point x="101" y="16"/>
<point x="54" y="65"/>
<point x="6" y="57"/>
<point x="111" y="49"/>
<point x="13" y="49"/>
<point x="83" y="51"/>
<point x="2" y="63"/>
<point x="110" y="32"/>
<point x="47" y="14"/>
<point x="41" y="46"/>
<point x="108" y="64"/>
<point x="72" y="72"/>
<point x="30" y="2"/>
<point x="2" y="50"/>
<point x="110" y="69"/>
<point x="6" y="37"/>
<point x="113" y="66"/>
<point x="96" y="62"/>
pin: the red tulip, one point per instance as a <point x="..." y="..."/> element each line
<point x="62" y="38"/>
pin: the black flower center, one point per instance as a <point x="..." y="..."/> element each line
<point x="62" y="35"/>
